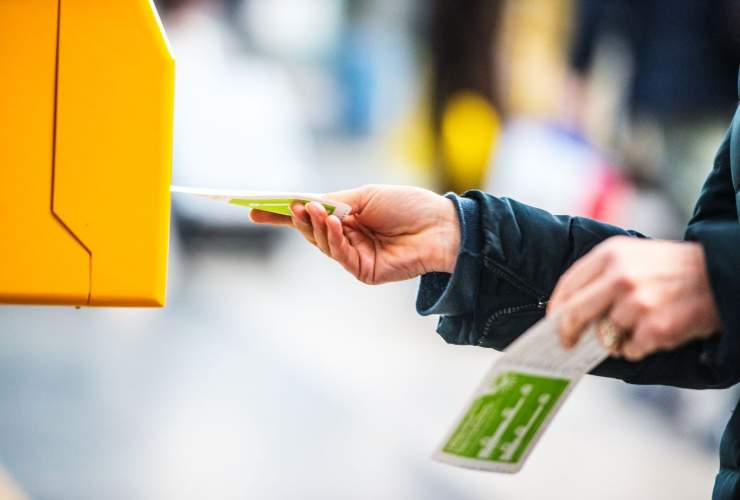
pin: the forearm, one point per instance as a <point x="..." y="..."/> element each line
<point x="517" y="254"/>
<point x="523" y="251"/>
<point x="530" y="248"/>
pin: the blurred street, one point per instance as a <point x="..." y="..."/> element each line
<point x="278" y="377"/>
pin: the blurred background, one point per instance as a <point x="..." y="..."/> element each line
<point x="271" y="374"/>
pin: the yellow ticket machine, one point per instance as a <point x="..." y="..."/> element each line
<point x="86" y="103"/>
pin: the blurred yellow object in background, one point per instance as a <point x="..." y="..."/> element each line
<point x="470" y="128"/>
<point x="85" y="153"/>
<point x="532" y="56"/>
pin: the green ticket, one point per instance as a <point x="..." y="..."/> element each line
<point x="500" y="425"/>
<point x="517" y="399"/>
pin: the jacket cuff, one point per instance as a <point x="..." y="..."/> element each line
<point x="455" y="294"/>
<point x="721" y="241"/>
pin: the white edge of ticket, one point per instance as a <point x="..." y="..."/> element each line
<point x="226" y="195"/>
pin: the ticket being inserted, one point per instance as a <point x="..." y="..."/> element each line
<point x="518" y="398"/>
<point x="267" y="201"/>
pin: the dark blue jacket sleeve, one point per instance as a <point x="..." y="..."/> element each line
<point x="523" y="252"/>
<point x="721" y="242"/>
<point x="715" y="226"/>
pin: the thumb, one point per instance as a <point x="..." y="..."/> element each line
<point x="356" y="198"/>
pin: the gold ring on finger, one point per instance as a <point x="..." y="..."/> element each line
<point x="612" y="336"/>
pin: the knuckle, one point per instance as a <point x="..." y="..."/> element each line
<point x="607" y="251"/>
<point x="614" y="243"/>
<point x="623" y="280"/>
<point x="367" y="190"/>
<point x="659" y="333"/>
<point x="640" y="304"/>
<point x="661" y="330"/>
<point x="319" y="223"/>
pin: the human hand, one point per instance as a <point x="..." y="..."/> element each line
<point x="657" y="292"/>
<point x="393" y="233"/>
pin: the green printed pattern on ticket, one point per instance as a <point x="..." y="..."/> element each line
<point x="501" y="423"/>
<point x="277" y="206"/>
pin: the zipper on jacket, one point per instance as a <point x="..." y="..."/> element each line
<point x="518" y="283"/>
<point x="512" y="279"/>
<point x="506" y="311"/>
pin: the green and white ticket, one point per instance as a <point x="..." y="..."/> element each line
<point x="268" y="201"/>
<point x="518" y="398"/>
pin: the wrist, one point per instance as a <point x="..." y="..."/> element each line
<point x="698" y="266"/>
<point x="447" y="238"/>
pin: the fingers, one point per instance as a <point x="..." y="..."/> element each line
<point x="260" y="217"/>
<point x="318" y="215"/>
<point x="356" y="198"/>
<point x="309" y="220"/>
<point x="580" y="274"/>
<point x="623" y="315"/>
<point x="644" y="340"/>
<point x="328" y="233"/>
<point x="663" y="329"/>
<point x="339" y="246"/>
<point x="302" y="222"/>
<point x="587" y="305"/>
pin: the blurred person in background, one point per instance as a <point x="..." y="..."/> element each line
<point x="652" y="81"/>
<point x="465" y="101"/>
<point x="492" y="266"/>
<point x="540" y="140"/>
<point x="498" y="72"/>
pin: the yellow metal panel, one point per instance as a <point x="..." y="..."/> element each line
<point x="114" y="145"/>
<point x="40" y="261"/>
